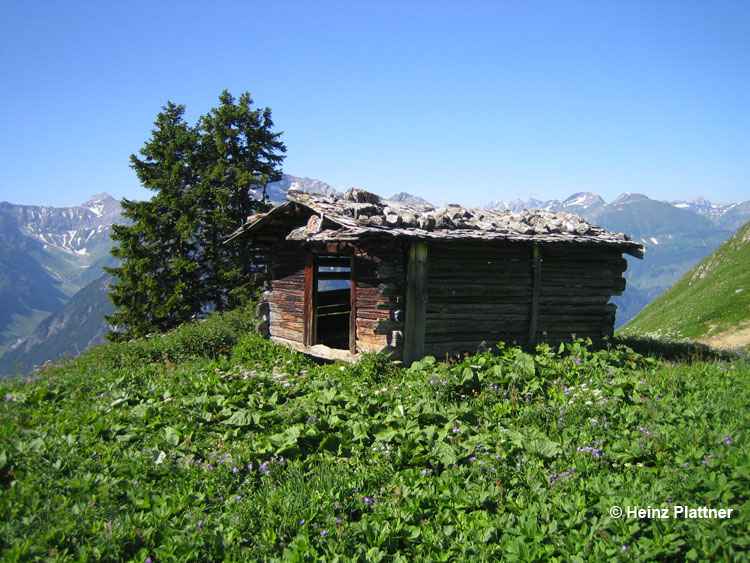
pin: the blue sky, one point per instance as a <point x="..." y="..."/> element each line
<point x="463" y="102"/>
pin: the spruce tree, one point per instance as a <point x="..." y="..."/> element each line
<point x="174" y="263"/>
<point x="239" y="155"/>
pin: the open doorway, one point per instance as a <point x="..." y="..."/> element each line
<point x="332" y="301"/>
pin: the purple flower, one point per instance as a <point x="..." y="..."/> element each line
<point x="337" y="520"/>
<point x="200" y="523"/>
<point x="324" y="533"/>
<point x="301" y="522"/>
<point x="147" y="560"/>
<point x="238" y="497"/>
<point x="367" y="500"/>
<point x="234" y="470"/>
<point x="624" y="548"/>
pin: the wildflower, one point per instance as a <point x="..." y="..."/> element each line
<point x="624" y="548"/>
<point x="324" y="533"/>
<point x="302" y="522"/>
<point x="367" y="500"/>
<point x="147" y="560"/>
<point x="234" y="470"/>
<point x="238" y="497"/>
<point x="200" y="524"/>
<point x="337" y="520"/>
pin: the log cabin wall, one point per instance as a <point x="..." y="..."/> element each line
<point x="577" y="284"/>
<point x="380" y="296"/>
<point x="481" y="293"/>
<point x="286" y="297"/>
<point x="477" y="293"/>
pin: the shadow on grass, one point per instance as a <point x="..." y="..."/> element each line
<point x="677" y="351"/>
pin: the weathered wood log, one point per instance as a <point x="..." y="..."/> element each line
<point x="477" y="289"/>
<point x="482" y="300"/>
<point x="373" y="314"/>
<point x="559" y="290"/>
<point x="474" y="326"/>
<point x="556" y="300"/>
<point x="285" y="333"/>
<point x="572" y="281"/>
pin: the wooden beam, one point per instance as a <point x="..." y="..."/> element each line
<point x="308" y="305"/>
<point x="416" y="302"/>
<point x="537" y="270"/>
<point x="353" y="305"/>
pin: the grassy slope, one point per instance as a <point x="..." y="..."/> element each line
<point x="706" y="299"/>
<point x="211" y="444"/>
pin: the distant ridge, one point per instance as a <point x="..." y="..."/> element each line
<point x="70" y="330"/>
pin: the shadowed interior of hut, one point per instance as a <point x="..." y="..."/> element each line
<point x="333" y="301"/>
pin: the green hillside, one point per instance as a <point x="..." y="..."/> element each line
<point x="711" y="303"/>
<point x="212" y="444"/>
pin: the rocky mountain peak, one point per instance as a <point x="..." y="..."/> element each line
<point x="408" y="199"/>
<point x="629" y="197"/>
<point x="102" y="205"/>
<point x="582" y="200"/>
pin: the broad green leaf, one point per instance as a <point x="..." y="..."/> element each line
<point x="444" y="453"/>
<point x="242" y="417"/>
<point x="385" y="435"/>
<point x="171" y="435"/>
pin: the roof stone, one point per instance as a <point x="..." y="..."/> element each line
<point x="359" y="213"/>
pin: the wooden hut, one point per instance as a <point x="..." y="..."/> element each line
<point x="351" y="274"/>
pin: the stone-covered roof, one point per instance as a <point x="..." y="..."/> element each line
<point x="359" y="214"/>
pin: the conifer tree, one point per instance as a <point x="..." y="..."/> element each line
<point x="239" y="155"/>
<point x="207" y="179"/>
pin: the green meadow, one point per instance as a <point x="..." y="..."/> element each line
<point x="212" y="444"/>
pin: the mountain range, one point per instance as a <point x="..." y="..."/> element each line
<point x="728" y="216"/>
<point x="48" y="254"/>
